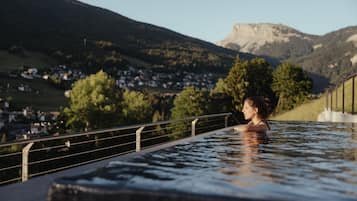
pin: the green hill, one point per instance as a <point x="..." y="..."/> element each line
<point x="10" y="62"/>
<point x="81" y="35"/>
<point x="305" y="112"/>
<point x="38" y="94"/>
<point x="45" y="33"/>
<point x="309" y="111"/>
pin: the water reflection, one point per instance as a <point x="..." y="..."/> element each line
<point x="246" y="169"/>
<point x="315" y="161"/>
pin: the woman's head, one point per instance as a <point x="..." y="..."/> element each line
<point x="256" y="106"/>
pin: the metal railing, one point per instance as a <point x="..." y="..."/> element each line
<point x="22" y="160"/>
<point x="336" y="96"/>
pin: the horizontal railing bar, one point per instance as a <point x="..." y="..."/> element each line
<point x="82" y="163"/>
<point x="161" y="136"/>
<point x="178" y="125"/>
<point x="152" y="130"/>
<point x="80" y="153"/>
<point x="209" y="121"/>
<point x="12" y="154"/>
<point x="111" y="130"/>
<point x="48" y="148"/>
<point x="83" y="142"/>
<point x="153" y="138"/>
<point x="174" y="133"/>
<point x="220" y="118"/>
<point x="209" y="126"/>
<point x="172" y="127"/>
<point x="9" y="168"/>
<point x="339" y="82"/>
<point x="188" y="123"/>
<point x="101" y="139"/>
<point x="11" y="180"/>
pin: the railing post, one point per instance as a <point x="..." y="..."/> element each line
<point x="343" y="97"/>
<point x="25" y="159"/>
<point x="226" y="121"/>
<point x="353" y="95"/>
<point x="193" y="130"/>
<point x="67" y="143"/>
<point x="331" y="102"/>
<point x="138" y="138"/>
<point x="336" y="98"/>
<point x="326" y="101"/>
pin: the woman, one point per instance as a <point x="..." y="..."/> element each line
<point x="256" y="110"/>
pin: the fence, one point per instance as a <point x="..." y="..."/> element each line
<point x="22" y="160"/>
<point x="338" y="98"/>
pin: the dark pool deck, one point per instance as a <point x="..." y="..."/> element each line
<point x="36" y="189"/>
<point x="68" y="192"/>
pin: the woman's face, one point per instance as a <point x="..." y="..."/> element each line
<point x="249" y="111"/>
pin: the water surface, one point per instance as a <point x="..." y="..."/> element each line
<point x="294" y="161"/>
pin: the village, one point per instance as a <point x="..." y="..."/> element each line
<point x="30" y="123"/>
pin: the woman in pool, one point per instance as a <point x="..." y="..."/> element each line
<point x="256" y="110"/>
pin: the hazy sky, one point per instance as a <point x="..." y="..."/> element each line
<point x="212" y="20"/>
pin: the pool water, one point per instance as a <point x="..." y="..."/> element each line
<point x="293" y="161"/>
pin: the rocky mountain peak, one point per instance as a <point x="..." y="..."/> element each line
<point x="251" y="37"/>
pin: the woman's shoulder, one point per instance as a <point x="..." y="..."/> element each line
<point x="264" y="124"/>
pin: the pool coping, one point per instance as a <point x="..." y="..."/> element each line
<point x="36" y="189"/>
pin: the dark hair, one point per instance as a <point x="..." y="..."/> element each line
<point x="263" y="105"/>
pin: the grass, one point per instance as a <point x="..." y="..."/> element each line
<point x="305" y="112"/>
<point x="10" y="62"/>
<point x="309" y="111"/>
<point x="43" y="96"/>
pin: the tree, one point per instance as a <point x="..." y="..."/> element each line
<point x="136" y="107"/>
<point x="190" y="102"/>
<point x="291" y="85"/>
<point x="221" y="87"/>
<point x="161" y="105"/>
<point x="219" y="99"/>
<point x="94" y="103"/>
<point x="248" y="78"/>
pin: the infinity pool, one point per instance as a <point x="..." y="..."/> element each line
<point x="294" y="161"/>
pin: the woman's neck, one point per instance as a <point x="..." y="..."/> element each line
<point x="256" y="120"/>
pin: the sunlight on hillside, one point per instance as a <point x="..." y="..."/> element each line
<point x="310" y="110"/>
<point x="305" y="112"/>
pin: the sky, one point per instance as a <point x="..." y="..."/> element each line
<point x="213" y="20"/>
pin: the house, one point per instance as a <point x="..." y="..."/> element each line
<point x="21" y="88"/>
<point x="26" y="76"/>
<point x="67" y="93"/>
<point x="32" y="71"/>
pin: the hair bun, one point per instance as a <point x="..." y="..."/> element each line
<point x="267" y="103"/>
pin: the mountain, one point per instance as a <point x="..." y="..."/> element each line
<point x="83" y="35"/>
<point x="257" y="39"/>
<point x="334" y="54"/>
<point x="330" y="56"/>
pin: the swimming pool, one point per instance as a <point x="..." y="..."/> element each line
<point x="294" y="161"/>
